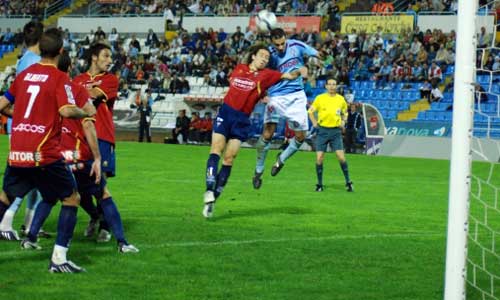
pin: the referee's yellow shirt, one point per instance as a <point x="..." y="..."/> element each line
<point x="331" y="109"/>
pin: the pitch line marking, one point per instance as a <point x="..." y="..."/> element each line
<point x="254" y="241"/>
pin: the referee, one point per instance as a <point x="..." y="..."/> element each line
<point x="332" y="113"/>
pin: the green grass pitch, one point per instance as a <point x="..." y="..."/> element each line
<point x="285" y="241"/>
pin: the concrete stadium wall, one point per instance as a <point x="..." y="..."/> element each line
<point x="448" y="23"/>
<point x="142" y="25"/>
<point x="13" y="23"/>
<point x="436" y="147"/>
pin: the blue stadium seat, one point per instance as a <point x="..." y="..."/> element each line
<point x="482" y="79"/>
<point x="366" y="84"/>
<point x="320" y="83"/>
<point x="355" y="84"/>
<point x="422" y="115"/>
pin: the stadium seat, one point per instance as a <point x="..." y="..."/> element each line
<point x="320" y="84"/>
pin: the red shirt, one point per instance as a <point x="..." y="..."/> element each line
<point x="74" y="146"/>
<point x="108" y="84"/>
<point x="247" y="87"/>
<point x="39" y="92"/>
<point x="206" y="124"/>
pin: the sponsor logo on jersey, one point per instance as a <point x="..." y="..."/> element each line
<point x="243" y="84"/>
<point x="31" y="128"/>
<point x="289" y="65"/>
<point x="71" y="156"/>
<point x="36" y="77"/>
<point x="22" y="156"/>
<point x="69" y="94"/>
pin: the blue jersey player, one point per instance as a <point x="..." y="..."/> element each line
<point x="286" y="99"/>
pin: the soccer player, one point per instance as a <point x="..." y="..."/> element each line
<point x="81" y="151"/>
<point x="103" y="88"/>
<point x="332" y="114"/>
<point x="286" y="99"/>
<point x="248" y="83"/>
<point x="42" y="95"/>
<point x="32" y="32"/>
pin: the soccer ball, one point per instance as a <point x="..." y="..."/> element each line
<point x="266" y="21"/>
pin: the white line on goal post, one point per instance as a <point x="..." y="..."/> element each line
<point x="460" y="166"/>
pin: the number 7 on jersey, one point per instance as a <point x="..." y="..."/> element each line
<point x="33" y="90"/>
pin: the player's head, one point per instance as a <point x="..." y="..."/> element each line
<point x="278" y="38"/>
<point x="331" y="85"/>
<point x="258" y="56"/>
<point x="32" y="32"/>
<point x="99" y="57"/>
<point x="51" y="43"/>
<point x="64" y="62"/>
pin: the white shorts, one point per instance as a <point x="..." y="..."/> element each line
<point x="292" y="107"/>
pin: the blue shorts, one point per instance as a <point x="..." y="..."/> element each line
<point x="85" y="183"/>
<point x="332" y="136"/>
<point x="54" y="181"/>
<point x="232" y="124"/>
<point x="108" y="158"/>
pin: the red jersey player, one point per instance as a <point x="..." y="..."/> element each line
<point x="42" y="94"/>
<point x="81" y="151"/>
<point x="103" y="88"/>
<point x="248" y="83"/>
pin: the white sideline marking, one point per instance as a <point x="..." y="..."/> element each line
<point x="243" y="242"/>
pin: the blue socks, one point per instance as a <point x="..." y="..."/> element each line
<point x="222" y="178"/>
<point x="41" y="213"/>
<point x="319" y="174"/>
<point x="262" y="148"/>
<point x="66" y="225"/>
<point x="114" y="219"/>
<point x="345" y="170"/>
<point x="293" y="147"/>
<point x="211" y="175"/>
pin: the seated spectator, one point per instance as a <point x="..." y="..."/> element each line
<point x="206" y="128"/>
<point x="480" y="95"/>
<point x="151" y="39"/>
<point x="435" y="74"/>
<point x="181" y="127"/>
<point x="113" y="37"/>
<point x="175" y="85"/>
<point x="195" y="129"/>
<point x="184" y="85"/>
<point x="396" y="73"/>
<point x="382" y="77"/>
<point x="425" y="90"/>
<point x="436" y="95"/>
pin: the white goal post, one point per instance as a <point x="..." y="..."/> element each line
<point x="460" y="168"/>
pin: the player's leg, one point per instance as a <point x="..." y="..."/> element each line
<point x="33" y="199"/>
<point x="263" y="145"/>
<point x="294" y="106"/>
<point x="113" y="218"/>
<point x="232" y="149"/>
<point x="15" y="185"/>
<point x="8" y="217"/>
<point x="87" y="203"/>
<point x="218" y="145"/>
<point x="339" y="151"/>
<point x="319" y="170"/>
<point x="322" y="140"/>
